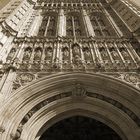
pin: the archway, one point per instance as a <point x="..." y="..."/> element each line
<point x="79" y="128"/>
<point x="33" y="109"/>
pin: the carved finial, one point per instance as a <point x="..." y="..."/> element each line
<point x="78" y="90"/>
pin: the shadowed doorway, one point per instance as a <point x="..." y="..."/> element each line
<point x="79" y="128"/>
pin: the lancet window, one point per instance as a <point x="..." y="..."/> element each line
<point x="74" y="25"/>
<point x="48" y="26"/>
<point x="101" y="25"/>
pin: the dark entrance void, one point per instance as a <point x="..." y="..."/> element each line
<point x="79" y="128"/>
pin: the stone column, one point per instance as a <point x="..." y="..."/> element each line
<point x="97" y="52"/>
<point x="88" y="25"/>
<point x="92" y="53"/>
<point x="112" y="60"/>
<point x="119" y="53"/>
<point x="48" y="22"/>
<point x="137" y="58"/>
<point x="35" y="25"/>
<point x="131" y="55"/>
<point x="61" y="23"/>
<point x="21" y="51"/>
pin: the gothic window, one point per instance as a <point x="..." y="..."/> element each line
<point x="50" y="32"/>
<point x="48" y="26"/>
<point x="69" y="24"/>
<point x="101" y="25"/>
<point x="74" y="25"/>
<point x="43" y="26"/>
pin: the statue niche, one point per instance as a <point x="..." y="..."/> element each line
<point x="124" y="52"/>
<point x="48" y="53"/>
<point x="76" y="54"/>
<point x="103" y="52"/>
<point x="11" y="55"/>
<point x="27" y="54"/>
<point x="114" y="53"/>
<point x="37" y="54"/>
<point x="87" y="54"/>
<point x="65" y="54"/>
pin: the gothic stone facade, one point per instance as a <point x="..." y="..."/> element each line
<point x="44" y="38"/>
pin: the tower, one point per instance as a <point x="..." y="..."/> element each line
<point x="62" y="58"/>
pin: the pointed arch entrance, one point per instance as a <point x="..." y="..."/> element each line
<point x="33" y="109"/>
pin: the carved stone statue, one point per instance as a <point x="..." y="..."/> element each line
<point x="12" y="53"/>
<point x="27" y="54"/>
<point x="48" y="53"/>
<point x="87" y="54"/>
<point x="76" y="50"/>
<point x="65" y="54"/>
<point x="114" y="54"/>
<point x="77" y="60"/>
<point x="37" y="54"/>
<point x="78" y="90"/>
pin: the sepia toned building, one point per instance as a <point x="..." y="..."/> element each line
<point x="70" y="70"/>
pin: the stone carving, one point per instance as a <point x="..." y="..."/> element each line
<point x="75" y="49"/>
<point x="56" y="64"/>
<point x="27" y="54"/>
<point x="27" y="116"/>
<point x="65" y="53"/>
<point x="11" y="54"/>
<point x="103" y="52"/>
<point x="24" y="78"/>
<point x="37" y="54"/>
<point x="124" y="52"/>
<point x="114" y="53"/>
<point x="77" y="60"/>
<point x="78" y="90"/>
<point x="48" y="52"/>
<point x="132" y="78"/>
